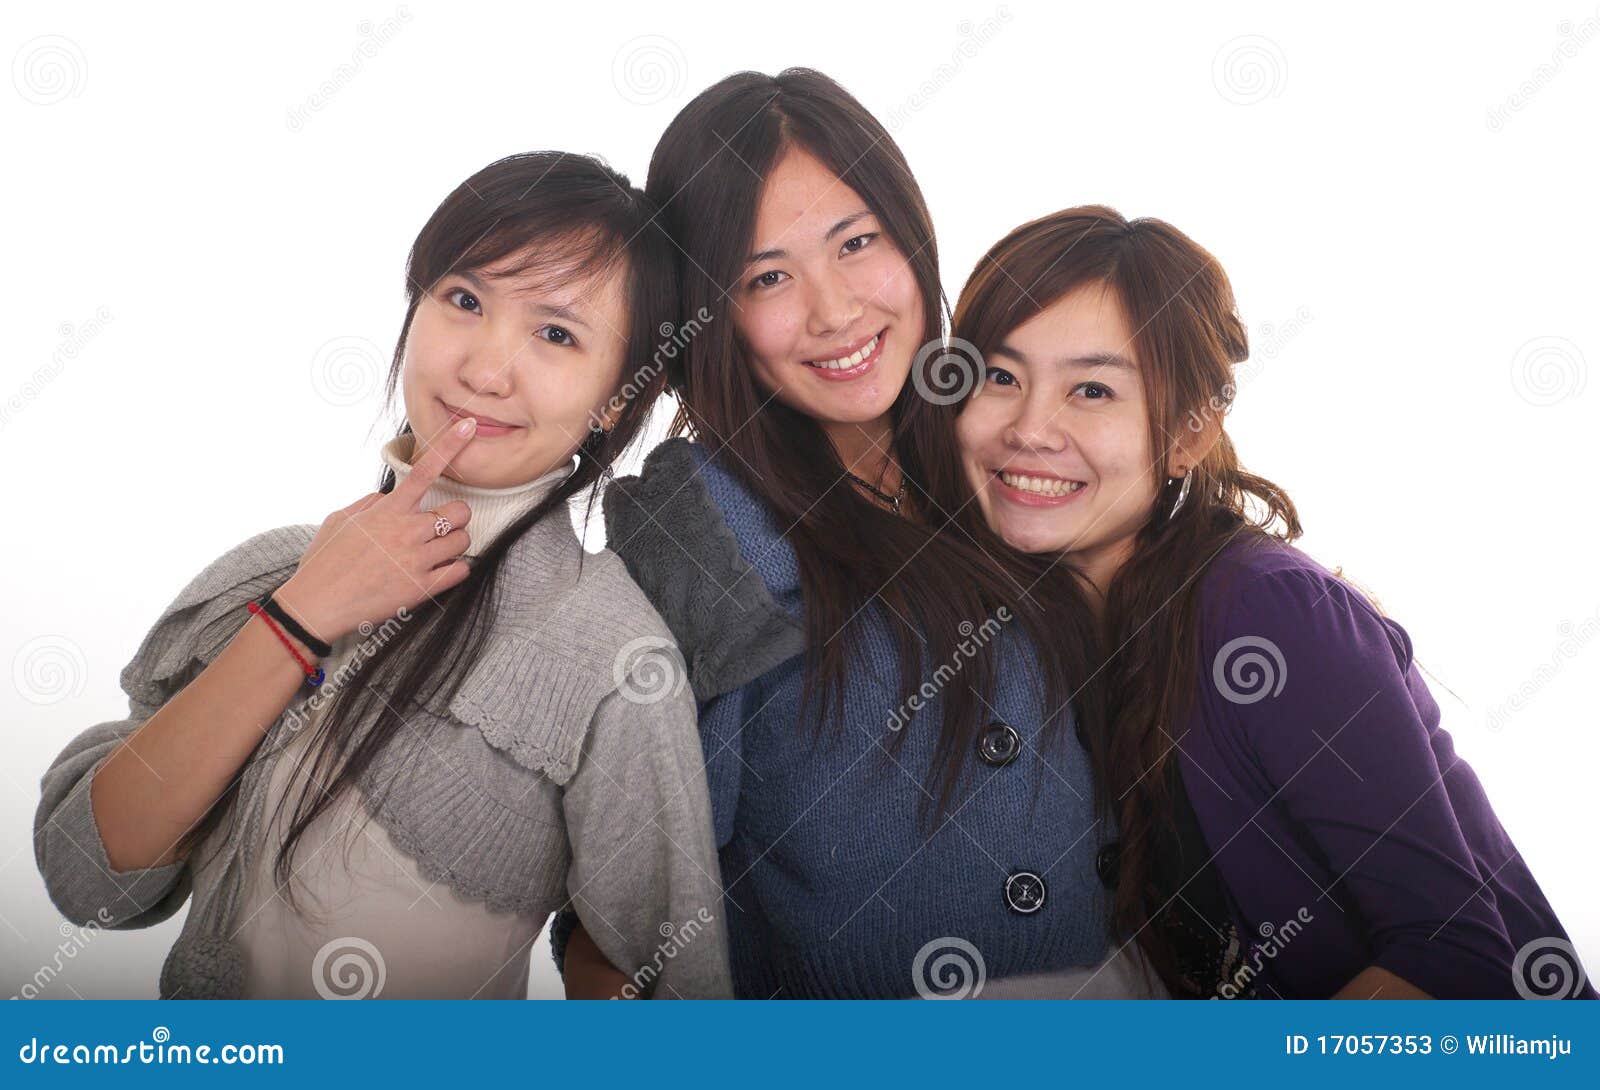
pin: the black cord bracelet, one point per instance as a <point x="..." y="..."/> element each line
<point x="294" y="627"/>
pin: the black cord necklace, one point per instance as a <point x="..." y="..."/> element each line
<point x="892" y="499"/>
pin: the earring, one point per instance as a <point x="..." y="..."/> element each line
<point x="1183" y="493"/>
<point x="594" y="440"/>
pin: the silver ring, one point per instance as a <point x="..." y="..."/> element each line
<point x="441" y="525"/>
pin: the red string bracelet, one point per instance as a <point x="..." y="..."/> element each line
<point x="314" y="674"/>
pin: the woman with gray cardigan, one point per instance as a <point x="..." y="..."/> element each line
<point x="379" y="752"/>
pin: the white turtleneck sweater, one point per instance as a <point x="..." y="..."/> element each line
<point x="493" y="509"/>
<point x="357" y="891"/>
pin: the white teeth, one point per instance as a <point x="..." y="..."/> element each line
<point x="1044" y="486"/>
<point x="845" y="362"/>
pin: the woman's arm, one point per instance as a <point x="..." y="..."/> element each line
<point x="644" y="876"/>
<point x="1376" y="982"/>
<point x="162" y="779"/>
<point x="1347" y="737"/>
<point x="366" y="562"/>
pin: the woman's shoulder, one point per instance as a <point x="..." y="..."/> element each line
<point x="710" y="557"/>
<point x="1263" y="596"/>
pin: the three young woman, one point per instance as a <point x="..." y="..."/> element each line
<point x="968" y="669"/>
<point x="380" y="752"/>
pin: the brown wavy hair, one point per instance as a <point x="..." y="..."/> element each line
<point x="1187" y="339"/>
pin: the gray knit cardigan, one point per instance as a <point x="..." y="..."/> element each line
<point x="566" y="770"/>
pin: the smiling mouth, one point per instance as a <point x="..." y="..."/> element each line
<point x="1043" y="487"/>
<point x="859" y="357"/>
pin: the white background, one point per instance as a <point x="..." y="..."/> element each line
<point x="206" y="215"/>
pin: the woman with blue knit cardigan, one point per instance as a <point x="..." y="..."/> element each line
<point x="901" y="801"/>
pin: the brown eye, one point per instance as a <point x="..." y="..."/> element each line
<point x="858" y="243"/>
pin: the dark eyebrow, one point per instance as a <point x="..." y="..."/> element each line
<point x="565" y="313"/>
<point x="1094" y="359"/>
<point x="833" y="232"/>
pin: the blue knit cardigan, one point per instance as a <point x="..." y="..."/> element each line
<point x="837" y="882"/>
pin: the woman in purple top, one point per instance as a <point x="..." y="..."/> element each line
<point x="1293" y="821"/>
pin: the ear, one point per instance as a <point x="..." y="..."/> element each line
<point x="606" y="416"/>
<point x="1198" y="435"/>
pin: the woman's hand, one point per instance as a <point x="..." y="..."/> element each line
<point x="380" y="555"/>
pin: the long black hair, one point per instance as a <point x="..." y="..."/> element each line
<point x="940" y="574"/>
<point x="551" y="212"/>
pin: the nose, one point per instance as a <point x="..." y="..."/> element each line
<point x="1039" y="424"/>
<point x="835" y="304"/>
<point x="489" y="366"/>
